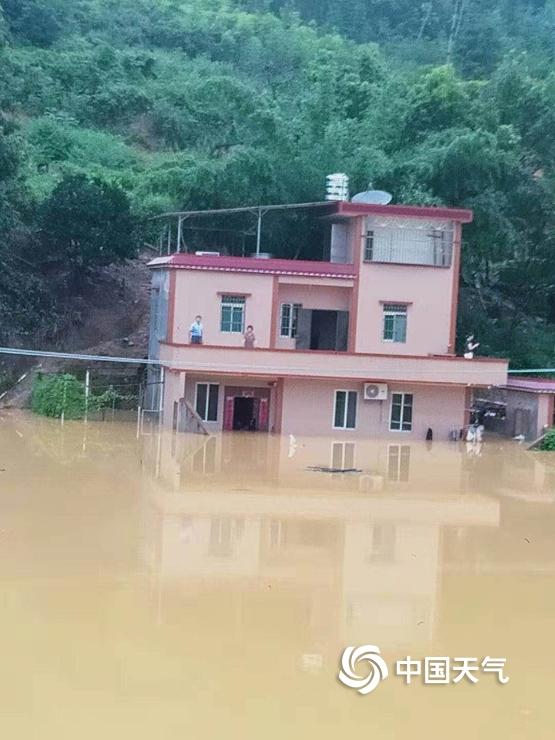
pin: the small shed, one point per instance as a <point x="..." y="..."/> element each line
<point x="524" y="407"/>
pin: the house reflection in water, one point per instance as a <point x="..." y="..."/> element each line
<point x="352" y="557"/>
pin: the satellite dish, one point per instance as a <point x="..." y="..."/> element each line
<point x="376" y="197"/>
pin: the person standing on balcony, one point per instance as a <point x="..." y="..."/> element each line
<point x="469" y="346"/>
<point x="249" y="337"/>
<point x="196" y="331"/>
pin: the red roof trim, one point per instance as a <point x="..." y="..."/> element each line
<point x="367" y="209"/>
<point x="252" y="265"/>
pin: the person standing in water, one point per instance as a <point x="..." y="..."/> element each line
<point x="196" y="331"/>
<point x="249" y="337"/>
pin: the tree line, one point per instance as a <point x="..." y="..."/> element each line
<point x="113" y="112"/>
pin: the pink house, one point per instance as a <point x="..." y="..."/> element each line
<point x="362" y="345"/>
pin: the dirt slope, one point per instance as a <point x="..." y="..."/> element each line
<point x="110" y="318"/>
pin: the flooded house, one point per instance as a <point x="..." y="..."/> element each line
<point x="361" y="344"/>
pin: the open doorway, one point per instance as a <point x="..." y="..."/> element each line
<point x="246" y="409"/>
<point x="244" y="415"/>
<point x="323" y="330"/>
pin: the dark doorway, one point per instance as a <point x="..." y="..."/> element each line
<point x="244" y="417"/>
<point x="323" y="330"/>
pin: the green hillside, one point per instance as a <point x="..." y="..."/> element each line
<point x="114" y="110"/>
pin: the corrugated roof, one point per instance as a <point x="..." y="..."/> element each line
<point x="532" y="385"/>
<point x="253" y="265"/>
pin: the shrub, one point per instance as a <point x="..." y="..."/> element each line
<point x="548" y="442"/>
<point x="64" y="393"/>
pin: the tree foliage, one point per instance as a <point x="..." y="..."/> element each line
<point x="63" y="394"/>
<point x="87" y="223"/>
<point x="114" y="111"/>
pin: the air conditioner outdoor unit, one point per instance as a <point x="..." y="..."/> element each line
<point x="375" y="392"/>
<point x="370" y="483"/>
<point x="207" y="254"/>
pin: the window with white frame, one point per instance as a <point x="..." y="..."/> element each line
<point x="233" y="314"/>
<point x="289" y="319"/>
<point x="401" y="412"/>
<point x="395" y="322"/>
<point x="206" y="401"/>
<point x="398" y="463"/>
<point x="343" y="455"/>
<point x="345" y="410"/>
<point x="383" y="543"/>
<point x="225" y="535"/>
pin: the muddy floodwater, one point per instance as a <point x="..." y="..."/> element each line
<point x="187" y="587"/>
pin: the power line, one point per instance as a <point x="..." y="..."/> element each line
<point x="70" y="356"/>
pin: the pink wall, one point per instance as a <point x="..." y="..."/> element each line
<point x="309" y="405"/>
<point x="321" y="296"/>
<point x="200" y="293"/>
<point x="428" y="290"/>
<point x="226" y="381"/>
<point x="358" y="367"/>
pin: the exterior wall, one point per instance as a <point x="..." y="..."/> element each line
<point x="311" y="296"/>
<point x="173" y="384"/>
<point x="429" y="291"/>
<point x="225" y="381"/>
<point x="545" y="412"/>
<point x="320" y="365"/>
<point x="159" y="296"/>
<point x="200" y="293"/>
<point x="308" y="409"/>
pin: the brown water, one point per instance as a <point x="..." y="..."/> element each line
<point x="190" y="588"/>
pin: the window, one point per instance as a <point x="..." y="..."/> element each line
<point x="398" y="462"/>
<point x="289" y="319"/>
<point x="343" y="455"/>
<point x="225" y="534"/>
<point x="277" y="533"/>
<point x="206" y="401"/>
<point x="233" y="314"/>
<point x="345" y="411"/>
<point x="401" y="412"/>
<point x="382" y="549"/>
<point x="394" y="322"/>
<point x="369" y="246"/>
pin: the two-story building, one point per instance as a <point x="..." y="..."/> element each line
<point x="362" y="345"/>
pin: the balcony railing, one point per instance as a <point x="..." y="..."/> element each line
<point x="334" y="365"/>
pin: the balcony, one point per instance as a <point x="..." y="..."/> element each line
<point x="273" y="363"/>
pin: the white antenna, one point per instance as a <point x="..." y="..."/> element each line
<point x="337" y="186"/>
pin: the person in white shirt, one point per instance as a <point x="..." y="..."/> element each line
<point x="196" y="331"/>
<point x="469" y="346"/>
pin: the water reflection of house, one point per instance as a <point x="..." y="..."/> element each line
<point x="357" y="565"/>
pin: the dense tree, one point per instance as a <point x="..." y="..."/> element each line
<point x="134" y="107"/>
<point x="86" y="223"/>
